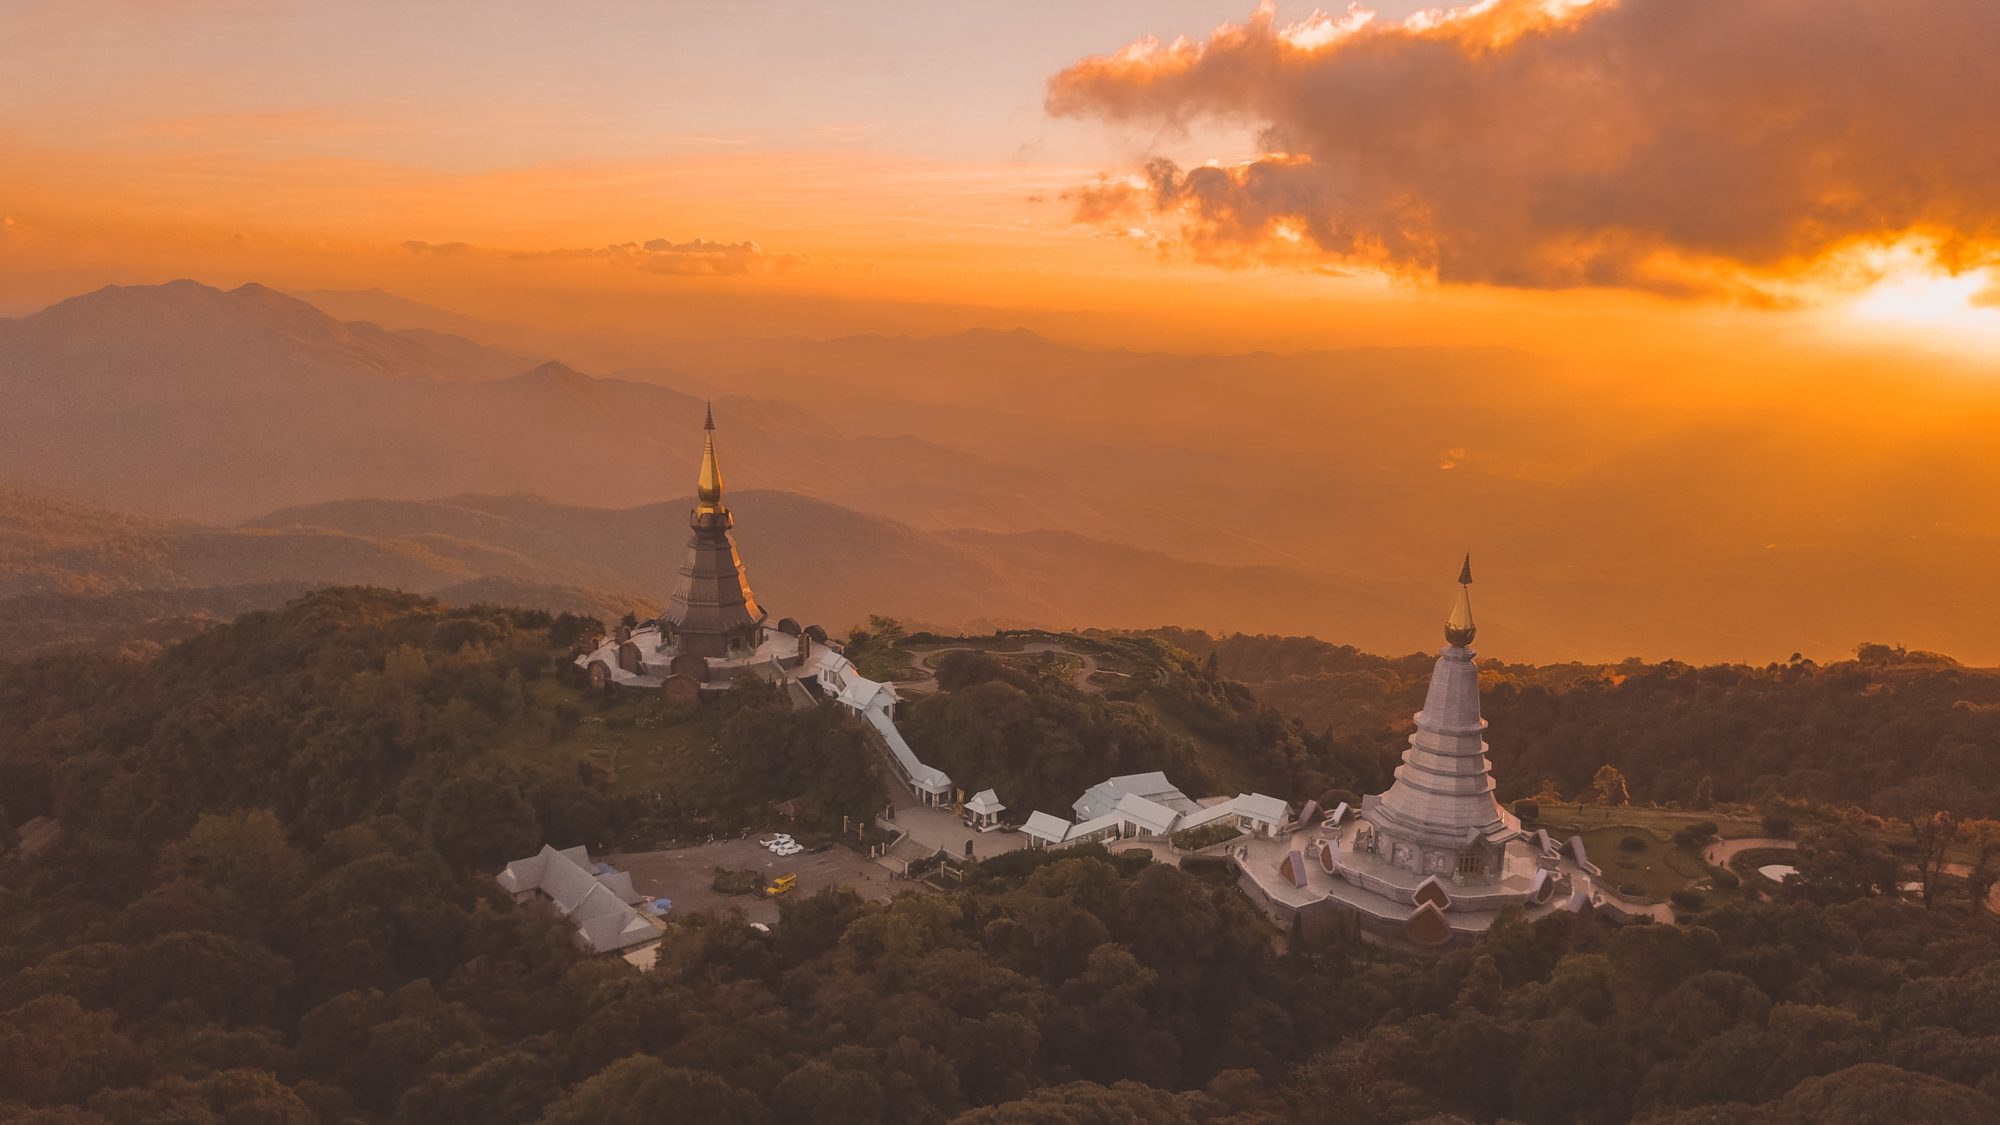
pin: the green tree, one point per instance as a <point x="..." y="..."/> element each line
<point x="1607" y="787"/>
<point x="1838" y="864"/>
<point x="1932" y="811"/>
<point x="481" y="820"/>
<point x="1704" y="794"/>
<point x="1871" y="1092"/>
<point x="641" y="1090"/>
<point x="842" y="1090"/>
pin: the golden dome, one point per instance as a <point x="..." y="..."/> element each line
<point x="708" y="490"/>
<point x="1458" y="628"/>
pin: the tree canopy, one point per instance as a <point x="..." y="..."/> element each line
<point x="272" y="901"/>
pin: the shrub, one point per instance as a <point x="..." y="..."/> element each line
<point x="1632" y="843"/>
<point x="1687" y="898"/>
<point x="1333" y="798"/>
<point x="1207" y="867"/>
<point x="1777" y="824"/>
<point x="732" y="882"/>
<point x="1014" y="864"/>
<point x="1208" y="835"/>
<point x="1724" y="879"/>
<point x="1631" y="890"/>
<point x="1527" y="811"/>
<point x="1694" y="835"/>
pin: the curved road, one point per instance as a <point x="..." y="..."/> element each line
<point x="1721" y="852"/>
<point x="920" y="660"/>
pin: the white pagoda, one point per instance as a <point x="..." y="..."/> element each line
<point x="1438" y="839"/>
<point x="1434" y="857"/>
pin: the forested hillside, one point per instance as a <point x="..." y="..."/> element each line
<point x="1852" y="731"/>
<point x="271" y="901"/>
<point x="1032" y="734"/>
<point x="63" y="562"/>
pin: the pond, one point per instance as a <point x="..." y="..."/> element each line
<point x="1776" y="872"/>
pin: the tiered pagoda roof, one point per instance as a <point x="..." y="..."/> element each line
<point x="712" y="611"/>
<point x="1443" y="792"/>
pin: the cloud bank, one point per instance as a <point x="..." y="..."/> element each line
<point x="696" y="258"/>
<point x="1689" y="147"/>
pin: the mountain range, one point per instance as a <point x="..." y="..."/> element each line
<point x="1645" y="512"/>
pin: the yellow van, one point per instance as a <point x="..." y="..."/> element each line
<point x="781" y="885"/>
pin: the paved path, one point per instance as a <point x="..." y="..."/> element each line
<point x="1721" y="852"/>
<point x="930" y="829"/>
<point x="920" y="660"/>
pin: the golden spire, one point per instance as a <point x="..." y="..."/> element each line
<point x="1458" y="628"/>
<point x="708" y="490"/>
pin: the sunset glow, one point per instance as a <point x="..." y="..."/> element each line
<point x="1960" y="310"/>
<point x="960" y="200"/>
<point x="1241" y="562"/>
<point x="1640" y="256"/>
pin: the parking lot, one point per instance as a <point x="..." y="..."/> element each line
<point x="684" y="875"/>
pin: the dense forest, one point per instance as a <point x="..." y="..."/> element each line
<point x="1031" y="733"/>
<point x="271" y="901"/>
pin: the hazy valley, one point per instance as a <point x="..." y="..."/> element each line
<point x="1002" y="478"/>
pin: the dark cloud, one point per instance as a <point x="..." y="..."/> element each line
<point x="1695" y="147"/>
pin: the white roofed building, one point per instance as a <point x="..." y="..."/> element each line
<point x="1101" y="798"/>
<point x="1044" y="830"/>
<point x="1138" y="816"/>
<point x="1254" y="813"/>
<point x="598" y="901"/>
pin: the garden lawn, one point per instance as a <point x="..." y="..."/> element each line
<point x="1659" y="869"/>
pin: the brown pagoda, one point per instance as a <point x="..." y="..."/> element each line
<point x="712" y="614"/>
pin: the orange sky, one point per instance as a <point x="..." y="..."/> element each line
<point x="904" y="167"/>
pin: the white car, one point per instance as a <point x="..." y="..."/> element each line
<point x="788" y="849"/>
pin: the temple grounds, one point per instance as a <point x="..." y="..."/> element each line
<point x="685" y="874"/>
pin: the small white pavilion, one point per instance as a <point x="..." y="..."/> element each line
<point x="983" y="810"/>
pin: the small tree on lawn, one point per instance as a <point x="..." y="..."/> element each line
<point x="1608" y="787"/>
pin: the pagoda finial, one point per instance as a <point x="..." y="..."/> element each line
<point x="708" y="489"/>
<point x="1458" y="628"/>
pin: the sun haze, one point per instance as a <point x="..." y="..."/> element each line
<point x="1689" y="310"/>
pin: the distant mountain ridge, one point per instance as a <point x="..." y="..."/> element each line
<point x="259" y="327"/>
<point x="808" y="559"/>
<point x="187" y="400"/>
